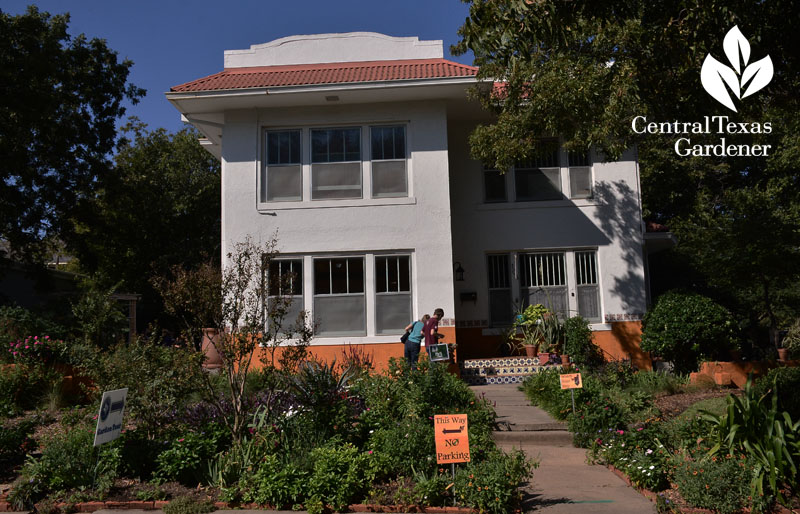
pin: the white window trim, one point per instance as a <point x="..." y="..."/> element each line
<point x="369" y="292"/>
<point x="367" y="199"/>
<point x="571" y="282"/>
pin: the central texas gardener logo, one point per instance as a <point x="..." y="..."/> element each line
<point x="741" y="79"/>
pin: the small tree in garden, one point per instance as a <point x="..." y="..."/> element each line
<point x="684" y="327"/>
<point x="250" y="311"/>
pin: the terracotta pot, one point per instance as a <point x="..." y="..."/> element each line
<point x="783" y="354"/>
<point x="213" y="359"/>
<point x="531" y="350"/>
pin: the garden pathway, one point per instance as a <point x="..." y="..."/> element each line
<point x="563" y="482"/>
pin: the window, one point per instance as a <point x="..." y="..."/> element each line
<point x="336" y="163"/>
<point x="501" y="311"/>
<point x="286" y="285"/>
<point x="540" y="178"/>
<point x="543" y="279"/>
<point x="392" y="294"/>
<point x="587" y="285"/>
<point x="339" y="300"/>
<point x="580" y="175"/>
<point x="494" y="186"/>
<point x="282" y="177"/>
<point x="388" y="161"/>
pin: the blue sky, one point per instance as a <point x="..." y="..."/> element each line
<point x="171" y="42"/>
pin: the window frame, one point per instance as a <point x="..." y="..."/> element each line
<point x="589" y="166"/>
<point x="377" y="293"/>
<point x="404" y="159"/>
<point x="263" y="181"/>
<point x="331" y="294"/>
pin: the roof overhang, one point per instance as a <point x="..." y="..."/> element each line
<point x="205" y="109"/>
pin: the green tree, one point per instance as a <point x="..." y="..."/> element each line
<point x="60" y="98"/>
<point x="583" y="70"/>
<point x="160" y="208"/>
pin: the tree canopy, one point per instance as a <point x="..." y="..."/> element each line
<point x="60" y="98"/>
<point x="582" y="70"/>
<point x="158" y="208"/>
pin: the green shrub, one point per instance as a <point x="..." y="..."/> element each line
<point x="24" y="387"/>
<point x="340" y="475"/>
<point x="188" y="505"/>
<point x="16" y="442"/>
<point x="594" y="414"/>
<point x="403" y="446"/>
<point x="187" y="457"/>
<point x="721" y="483"/>
<point x="786" y="382"/>
<point x="17" y="323"/>
<point x="160" y="380"/>
<point x="684" y="327"/>
<point x="543" y="389"/>
<point x="274" y="483"/>
<point x="68" y="461"/>
<point x="792" y="340"/>
<point x="579" y="344"/>
<point x="638" y="453"/>
<point x="491" y="485"/>
<point x="752" y="425"/>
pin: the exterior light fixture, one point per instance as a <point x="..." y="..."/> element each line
<point x="459" y="272"/>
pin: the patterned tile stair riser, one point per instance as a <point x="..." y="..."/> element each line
<point x="503" y="370"/>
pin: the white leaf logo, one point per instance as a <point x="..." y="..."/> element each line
<point x="715" y="76"/>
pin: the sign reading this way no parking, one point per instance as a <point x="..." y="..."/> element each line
<point x="109" y="420"/>
<point x="452" y="438"/>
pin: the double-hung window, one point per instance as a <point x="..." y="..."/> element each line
<point x="335" y="163"/>
<point x="580" y="175"/>
<point x="339" y="299"/>
<point x="540" y="178"/>
<point x="392" y="293"/>
<point x="388" y="161"/>
<point x="286" y="289"/>
<point x="282" y="176"/>
<point x="494" y="186"/>
<point x="587" y="284"/>
<point x="544" y="280"/>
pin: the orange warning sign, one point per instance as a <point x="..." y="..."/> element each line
<point x="452" y="438"/>
<point x="571" y="381"/>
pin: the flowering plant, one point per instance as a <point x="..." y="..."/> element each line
<point x="33" y="350"/>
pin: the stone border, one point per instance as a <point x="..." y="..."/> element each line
<point x="87" y="507"/>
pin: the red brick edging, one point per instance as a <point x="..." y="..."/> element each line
<point x="86" y="507"/>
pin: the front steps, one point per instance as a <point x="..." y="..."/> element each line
<point x="501" y="370"/>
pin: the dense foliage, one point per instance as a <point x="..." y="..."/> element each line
<point x="583" y="70"/>
<point x="685" y="327"/>
<point x="61" y="98"/>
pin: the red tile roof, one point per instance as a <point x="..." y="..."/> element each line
<point x="331" y="73"/>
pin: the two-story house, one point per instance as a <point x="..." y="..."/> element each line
<point x="354" y="148"/>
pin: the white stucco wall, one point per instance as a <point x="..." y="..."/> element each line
<point x="611" y="223"/>
<point x="419" y="224"/>
<point x="330" y="48"/>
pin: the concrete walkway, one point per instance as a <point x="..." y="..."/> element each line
<point x="563" y="482"/>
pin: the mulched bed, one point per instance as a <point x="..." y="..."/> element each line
<point x="673" y="405"/>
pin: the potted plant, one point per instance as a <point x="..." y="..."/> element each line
<point x="532" y="327"/>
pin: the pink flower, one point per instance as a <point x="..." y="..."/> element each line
<point x="94" y="417"/>
<point x="26" y="346"/>
<point x="47" y="337"/>
<point x="36" y="337"/>
<point x="370" y="452"/>
<point x="640" y="429"/>
<point x="181" y="440"/>
<point x="620" y="432"/>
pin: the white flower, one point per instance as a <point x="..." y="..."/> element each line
<point x="651" y="467"/>
<point x="648" y="452"/>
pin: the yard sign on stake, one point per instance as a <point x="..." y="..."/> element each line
<point x="452" y="441"/>
<point x="109" y="419"/>
<point x="571" y="381"/>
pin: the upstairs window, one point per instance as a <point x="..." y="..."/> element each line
<point x="540" y="178"/>
<point x="580" y="175"/>
<point x="282" y="178"/>
<point x="501" y="310"/>
<point x="389" y="175"/>
<point x="336" y="163"/>
<point x="494" y="186"/>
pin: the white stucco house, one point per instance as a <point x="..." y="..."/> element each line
<point x="354" y="148"/>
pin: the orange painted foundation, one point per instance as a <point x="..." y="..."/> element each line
<point x="623" y="342"/>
